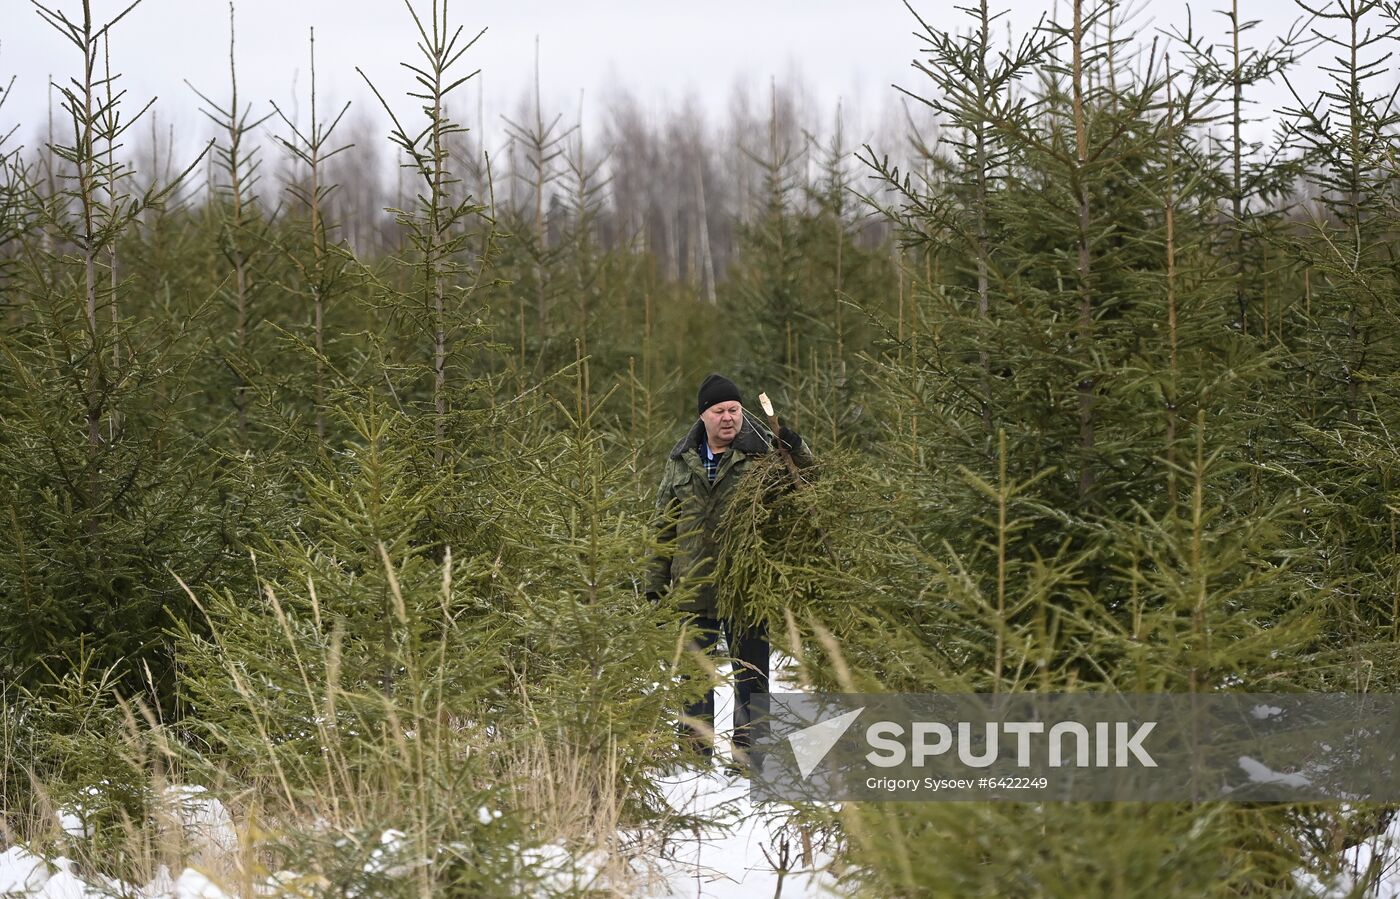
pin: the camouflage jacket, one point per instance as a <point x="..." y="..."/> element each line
<point x="690" y="509"/>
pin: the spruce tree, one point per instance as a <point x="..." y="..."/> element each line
<point x="769" y="301"/>
<point x="541" y="281"/>
<point x="242" y="237"/>
<point x="105" y="483"/>
<point x="1111" y="532"/>
<point x="439" y="275"/>
<point x="1336" y="446"/>
<point x="322" y="265"/>
<point x="16" y="207"/>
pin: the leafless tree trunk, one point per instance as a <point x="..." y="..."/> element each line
<point x="707" y="263"/>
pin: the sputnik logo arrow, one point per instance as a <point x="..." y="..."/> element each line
<point x="811" y="744"/>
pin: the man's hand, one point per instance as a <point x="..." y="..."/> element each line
<point x="787" y="439"/>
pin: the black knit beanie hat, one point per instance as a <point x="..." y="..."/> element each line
<point x="718" y="389"/>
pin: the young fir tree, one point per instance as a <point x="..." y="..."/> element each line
<point x="242" y="238"/>
<point x="973" y="94"/>
<point x="347" y="675"/>
<point x="844" y="272"/>
<point x="1115" y="531"/>
<point x="1253" y="180"/>
<point x="592" y="660"/>
<point x="1336" y="446"/>
<point x="769" y="302"/>
<point x="599" y="326"/>
<point x="105" y="483"/>
<point x="431" y="294"/>
<point x="322" y="261"/>
<point x="535" y="254"/>
<point x="16" y="210"/>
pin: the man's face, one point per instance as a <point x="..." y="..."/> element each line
<point x="722" y="423"/>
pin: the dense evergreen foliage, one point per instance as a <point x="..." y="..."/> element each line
<point x="357" y="533"/>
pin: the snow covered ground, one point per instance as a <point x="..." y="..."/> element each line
<point x="736" y="858"/>
<point x="26" y="876"/>
<point x="1382" y="851"/>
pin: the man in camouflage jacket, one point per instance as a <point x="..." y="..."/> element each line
<point x="701" y="475"/>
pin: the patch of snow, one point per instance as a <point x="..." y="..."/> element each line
<point x="73" y="817"/>
<point x="161" y="884"/>
<point x="559" y="870"/>
<point x="288" y="883"/>
<point x="64" y="884"/>
<point x="72" y="820"/>
<point x="1383" y="852"/>
<point x="735" y="857"/>
<point x="1263" y="774"/>
<point x="1264" y="712"/>
<point x="194" y="885"/>
<point x="1379" y="855"/>
<point x="205" y="821"/>
<point x="21" y="872"/>
<point x="384" y="859"/>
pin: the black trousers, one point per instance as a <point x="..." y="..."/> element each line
<point x="748" y="647"/>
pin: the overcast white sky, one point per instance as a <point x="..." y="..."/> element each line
<point x="661" y="50"/>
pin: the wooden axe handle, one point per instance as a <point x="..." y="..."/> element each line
<point x="776" y="428"/>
